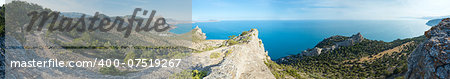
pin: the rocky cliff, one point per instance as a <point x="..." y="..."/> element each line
<point x="198" y="34"/>
<point x="333" y="43"/>
<point x="431" y="59"/>
<point x="244" y="60"/>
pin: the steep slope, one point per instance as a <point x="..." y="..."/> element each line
<point x="431" y="59"/>
<point x="330" y="44"/>
<point x="351" y="57"/>
<point x="244" y="60"/>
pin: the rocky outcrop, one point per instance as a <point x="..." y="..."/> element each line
<point x="431" y="59"/>
<point x="241" y="61"/>
<point x="433" y="22"/>
<point x="198" y="34"/>
<point x="357" y="38"/>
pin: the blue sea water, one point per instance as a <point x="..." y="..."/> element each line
<point x="287" y="37"/>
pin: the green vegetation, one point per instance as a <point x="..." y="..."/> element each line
<point x="283" y="71"/>
<point x="199" y="74"/>
<point x="228" y="52"/>
<point x="190" y="74"/>
<point x="244" y="33"/>
<point x="112" y="71"/>
<point x="214" y="55"/>
<point x="232" y="40"/>
<point x="130" y="55"/>
<point x="330" y="41"/>
<point x="338" y="63"/>
<point x="2" y="21"/>
<point x="400" y="77"/>
<point x="206" y="49"/>
<point x="196" y="38"/>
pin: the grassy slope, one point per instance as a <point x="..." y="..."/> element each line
<point x="387" y="60"/>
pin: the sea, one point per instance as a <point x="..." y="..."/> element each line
<point x="289" y="37"/>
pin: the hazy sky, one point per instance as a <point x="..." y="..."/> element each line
<point x="181" y="9"/>
<point x="260" y="9"/>
<point x="2" y="2"/>
<point x="317" y="9"/>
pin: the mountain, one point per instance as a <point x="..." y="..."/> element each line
<point x="329" y="44"/>
<point x="431" y="59"/>
<point x="350" y="57"/>
<point x="435" y="17"/>
<point x="433" y="21"/>
<point x="73" y="14"/>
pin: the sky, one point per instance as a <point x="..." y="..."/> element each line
<point x="199" y="10"/>
<point x="180" y="9"/>
<point x="317" y="9"/>
<point x="2" y="2"/>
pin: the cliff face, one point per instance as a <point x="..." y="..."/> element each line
<point x="239" y="61"/>
<point x="198" y="34"/>
<point x="431" y="59"/>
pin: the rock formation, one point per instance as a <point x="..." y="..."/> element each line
<point x="328" y="44"/>
<point x="431" y="59"/>
<point x="198" y="34"/>
<point x="243" y="61"/>
<point x="357" y="38"/>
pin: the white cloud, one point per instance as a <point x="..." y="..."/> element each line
<point x="2" y="2"/>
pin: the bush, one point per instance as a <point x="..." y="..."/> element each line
<point x="110" y="71"/>
<point x="196" y="74"/>
<point x="189" y="74"/>
<point x="131" y="55"/>
<point x="228" y="52"/>
<point x="214" y="55"/>
<point x="232" y="42"/>
<point x="244" y="33"/>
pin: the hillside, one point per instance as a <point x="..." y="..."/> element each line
<point x="241" y="56"/>
<point x="242" y="60"/>
<point x="356" y="59"/>
<point x="431" y="58"/>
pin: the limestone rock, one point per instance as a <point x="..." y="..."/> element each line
<point x="431" y="59"/>
<point x="357" y="38"/>
<point x="198" y="34"/>
<point x="244" y="60"/>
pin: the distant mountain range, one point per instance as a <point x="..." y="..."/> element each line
<point x="434" y="20"/>
<point x="73" y="14"/>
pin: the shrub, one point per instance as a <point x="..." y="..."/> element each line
<point x="131" y="55"/>
<point x="244" y="33"/>
<point x="196" y="74"/>
<point x="189" y="74"/>
<point x="214" y="55"/>
<point x="110" y="71"/>
<point x="232" y="42"/>
<point x="228" y="52"/>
